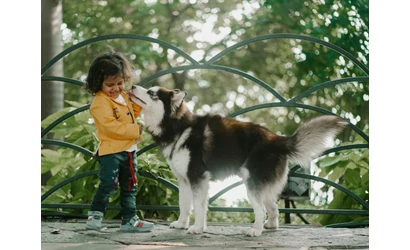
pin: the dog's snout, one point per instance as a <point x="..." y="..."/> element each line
<point x="134" y="87"/>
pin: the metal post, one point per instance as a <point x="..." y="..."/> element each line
<point x="287" y="215"/>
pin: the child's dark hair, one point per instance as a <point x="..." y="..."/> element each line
<point x="108" y="64"/>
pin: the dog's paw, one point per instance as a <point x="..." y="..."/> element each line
<point x="177" y="224"/>
<point x="271" y="224"/>
<point x="253" y="232"/>
<point x="195" y="230"/>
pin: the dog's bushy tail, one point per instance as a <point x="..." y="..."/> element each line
<point x="313" y="137"/>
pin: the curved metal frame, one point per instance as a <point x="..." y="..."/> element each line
<point x="210" y="65"/>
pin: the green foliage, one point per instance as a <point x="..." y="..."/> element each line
<point x="64" y="163"/>
<point x="351" y="170"/>
<point x="153" y="193"/>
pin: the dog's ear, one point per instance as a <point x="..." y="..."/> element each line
<point x="178" y="96"/>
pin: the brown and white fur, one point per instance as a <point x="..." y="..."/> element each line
<point x="201" y="148"/>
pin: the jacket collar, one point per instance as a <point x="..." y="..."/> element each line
<point x="123" y="94"/>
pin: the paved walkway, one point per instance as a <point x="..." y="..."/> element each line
<point x="58" y="235"/>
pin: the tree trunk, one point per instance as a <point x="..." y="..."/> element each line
<point x="52" y="93"/>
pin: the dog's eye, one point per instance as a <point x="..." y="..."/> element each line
<point x="152" y="94"/>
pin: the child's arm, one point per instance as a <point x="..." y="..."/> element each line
<point x="137" y="110"/>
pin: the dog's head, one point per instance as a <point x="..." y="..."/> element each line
<point x="158" y="104"/>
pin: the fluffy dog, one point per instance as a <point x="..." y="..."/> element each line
<point x="201" y="148"/>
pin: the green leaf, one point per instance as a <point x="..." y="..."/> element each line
<point x="366" y="154"/>
<point x="75" y="104"/>
<point x="335" y="168"/>
<point x="336" y="174"/>
<point x="352" y="178"/>
<point x="57" y="168"/>
<point x="365" y="179"/>
<point x="54" y="199"/>
<point x="330" y="161"/>
<point x="50" y="158"/>
<point x="51" y="155"/>
<point x="351" y="165"/>
<point x="51" y="118"/>
<point x="46" y="165"/>
<point x="361" y="219"/>
<point x="355" y="157"/>
<point x="361" y="192"/>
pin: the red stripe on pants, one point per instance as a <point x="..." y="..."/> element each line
<point x="134" y="180"/>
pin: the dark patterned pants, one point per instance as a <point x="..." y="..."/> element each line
<point x="117" y="169"/>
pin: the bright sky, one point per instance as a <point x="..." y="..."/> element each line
<point x="237" y="193"/>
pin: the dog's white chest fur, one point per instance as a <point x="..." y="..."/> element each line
<point x="177" y="155"/>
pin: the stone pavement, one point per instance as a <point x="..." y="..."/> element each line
<point x="71" y="234"/>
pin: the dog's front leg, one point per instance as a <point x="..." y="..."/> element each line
<point x="200" y="199"/>
<point x="185" y="205"/>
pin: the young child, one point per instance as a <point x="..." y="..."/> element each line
<point x="118" y="134"/>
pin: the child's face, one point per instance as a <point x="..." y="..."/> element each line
<point x="113" y="86"/>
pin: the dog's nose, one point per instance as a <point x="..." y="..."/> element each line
<point x="133" y="87"/>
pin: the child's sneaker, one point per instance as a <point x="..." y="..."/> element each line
<point x="137" y="225"/>
<point x="94" y="220"/>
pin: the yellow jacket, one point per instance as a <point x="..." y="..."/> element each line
<point x="117" y="129"/>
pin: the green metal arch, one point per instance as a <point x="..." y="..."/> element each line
<point x="329" y="84"/>
<point x="294" y="36"/>
<point x="115" y="36"/>
<point x="61" y="79"/>
<point x="94" y="172"/>
<point x="67" y="181"/>
<point x="62" y="118"/>
<point x="214" y="67"/>
<point x="67" y="145"/>
<point x="297" y="105"/>
<point x="333" y="184"/>
<point x="214" y="197"/>
<point x="209" y="65"/>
